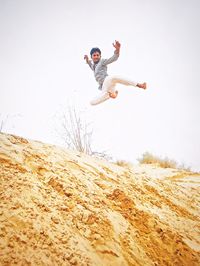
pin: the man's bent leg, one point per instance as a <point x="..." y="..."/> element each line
<point x="101" y="98"/>
<point x="109" y="87"/>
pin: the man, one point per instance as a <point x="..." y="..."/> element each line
<point x="107" y="83"/>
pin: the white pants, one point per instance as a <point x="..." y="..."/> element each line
<point x="109" y="86"/>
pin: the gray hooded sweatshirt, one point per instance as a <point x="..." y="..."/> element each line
<point x="100" y="68"/>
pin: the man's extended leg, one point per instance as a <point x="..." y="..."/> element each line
<point x="109" y="91"/>
<point x="111" y="81"/>
<point x="142" y="85"/>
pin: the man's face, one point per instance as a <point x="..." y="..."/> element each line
<point x="96" y="57"/>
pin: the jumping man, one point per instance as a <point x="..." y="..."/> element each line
<point x="107" y="83"/>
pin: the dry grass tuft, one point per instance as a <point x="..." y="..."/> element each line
<point x="148" y="158"/>
<point x="123" y="163"/>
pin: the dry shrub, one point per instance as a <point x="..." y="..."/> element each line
<point x="148" y="158"/>
<point x="123" y="163"/>
<point x="76" y="132"/>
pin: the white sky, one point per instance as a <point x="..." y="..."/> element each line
<point x="42" y="68"/>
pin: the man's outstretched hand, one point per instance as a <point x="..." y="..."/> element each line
<point x="117" y="46"/>
<point x="86" y="58"/>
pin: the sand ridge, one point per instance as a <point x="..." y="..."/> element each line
<point x="61" y="207"/>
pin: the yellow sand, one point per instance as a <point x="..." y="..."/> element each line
<point x="59" y="207"/>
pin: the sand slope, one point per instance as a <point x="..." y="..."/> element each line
<point x="59" y="207"/>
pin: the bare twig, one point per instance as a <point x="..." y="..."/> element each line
<point x="76" y="132"/>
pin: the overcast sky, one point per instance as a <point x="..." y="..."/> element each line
<point x="42" y="69"/>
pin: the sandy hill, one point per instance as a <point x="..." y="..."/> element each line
<point x="59" y="207"/>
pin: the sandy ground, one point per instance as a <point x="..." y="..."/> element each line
<point x="59" y="207"/>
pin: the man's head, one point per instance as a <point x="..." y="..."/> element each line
<point x="95" y="54"/>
